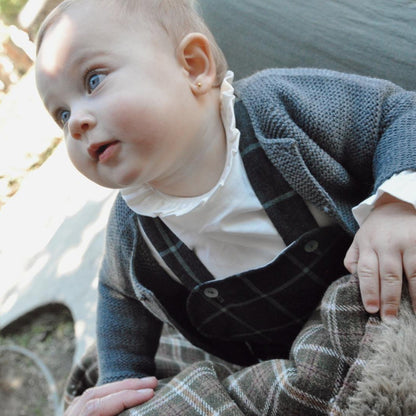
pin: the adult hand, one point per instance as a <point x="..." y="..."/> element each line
<point x="111" y="399"/>
<point x="383" y="248"/>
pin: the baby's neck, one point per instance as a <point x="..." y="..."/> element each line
<point x="203" y="172"/>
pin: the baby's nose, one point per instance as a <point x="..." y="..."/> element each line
<point x="79" y="125"/>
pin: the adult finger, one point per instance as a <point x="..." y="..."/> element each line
<point x="368" y="275"/>
<point x="96" y="393"/>
<point x="409" y="266"/>
<point x="391" y="277"/>
<point x="351" y="258"/>
<point x="115" y="403"/>
<point x="127" y="384"/>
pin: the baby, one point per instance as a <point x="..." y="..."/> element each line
<point x="235" y="206"/>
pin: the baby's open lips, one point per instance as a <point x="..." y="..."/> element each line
<point x="97" y="149"/>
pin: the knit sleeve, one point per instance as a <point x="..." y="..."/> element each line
<point x="335" y="137"/>
<point x="127" y="334"/>
<point x="127" y="337"/>
<point x="396" y="149"/>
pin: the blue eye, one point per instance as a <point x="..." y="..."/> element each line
<point x="63" y="117"/>
<point x="93" y="80"/>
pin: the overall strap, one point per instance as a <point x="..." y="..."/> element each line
<point x="285" y="208"/>
<point x="181" y="260"/>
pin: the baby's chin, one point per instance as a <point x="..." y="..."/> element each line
<point x="120" y="180"/>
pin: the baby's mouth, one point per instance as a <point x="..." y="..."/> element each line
<point x="102" y="151"/>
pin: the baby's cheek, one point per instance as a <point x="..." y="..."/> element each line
<point x="72" y="152"/>
<point x="140" y="120"/>
<point x="78" y="159"/>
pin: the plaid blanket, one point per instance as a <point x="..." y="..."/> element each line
<point x="325" y="374"/>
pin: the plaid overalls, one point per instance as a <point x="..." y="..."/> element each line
<point x="254" y="315"/>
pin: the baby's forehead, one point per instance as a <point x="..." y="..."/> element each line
<point x="75" y="11"/>
<point x="102" y="16"/>
<point x="73" y="34"/>
<point x="55" y="43"/>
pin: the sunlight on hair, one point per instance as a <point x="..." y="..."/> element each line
<point x="60" y="31"/>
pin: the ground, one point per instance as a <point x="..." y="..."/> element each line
<point x="44" y="337"/>
<point x="48" y="335"/>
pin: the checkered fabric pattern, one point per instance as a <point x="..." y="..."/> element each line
<point x="263" y="310"/>
<point x="325" y="364"/>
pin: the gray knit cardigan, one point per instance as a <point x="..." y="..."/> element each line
<point x="334" y="137"/>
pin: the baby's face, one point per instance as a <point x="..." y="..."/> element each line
<point x="121" y="96"/>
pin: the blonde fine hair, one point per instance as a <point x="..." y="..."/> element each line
<point x="176" y="17"/>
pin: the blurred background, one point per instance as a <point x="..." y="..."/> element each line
<point x="27" y="137"/>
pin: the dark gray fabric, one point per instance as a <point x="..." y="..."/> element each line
<point x="368" y="37"/>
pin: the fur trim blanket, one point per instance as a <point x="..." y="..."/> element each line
<point x="343" y="363"/>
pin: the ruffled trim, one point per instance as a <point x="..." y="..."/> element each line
<point x="145" y="200"/>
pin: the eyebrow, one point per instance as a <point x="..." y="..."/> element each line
<point x="79" y="61"/>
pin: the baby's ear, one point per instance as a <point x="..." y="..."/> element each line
<point x="194" y="54"/>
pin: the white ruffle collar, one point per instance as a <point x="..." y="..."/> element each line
<point x="145" y="200"/>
